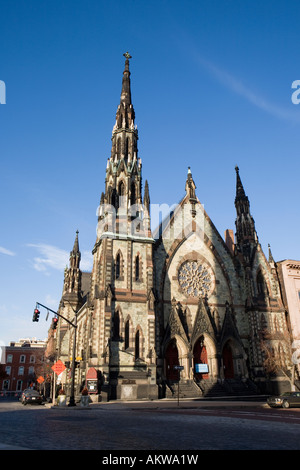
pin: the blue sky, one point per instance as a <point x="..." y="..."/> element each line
<point x="211" y="88"/>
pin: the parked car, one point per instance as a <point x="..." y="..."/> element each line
<point x="23" y="393"/>
<point x="285" y="400"/>
<point x="31" y="396"/>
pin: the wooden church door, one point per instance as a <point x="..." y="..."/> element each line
<point x="171" y="358"/>
<point x="228" y="362"/>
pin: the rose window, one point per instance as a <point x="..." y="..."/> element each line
<point x="195" y="278"/>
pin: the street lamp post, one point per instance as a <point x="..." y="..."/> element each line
<point x="74" y="325"/>
<point x="72" y="396"/>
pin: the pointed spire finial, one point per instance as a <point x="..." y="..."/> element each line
<point x="76" y="244"/>
<point x="240" y="192"/>
<point x="147" y="197"/>
<point x="126" y="92"/>
<point x="190" y="186"/>
<point x="271" y="259"/>
<point x="127" y="55"/>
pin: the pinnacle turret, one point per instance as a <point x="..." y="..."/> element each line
<point x="75" y="254"/>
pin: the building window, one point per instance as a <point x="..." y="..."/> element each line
<point x="137" y="345"/>
<point x="21" y="370"/>
<point x="116" y="332"/>
<point x="31" y="370"/>
<point x="137" y="268"/>
<point x="5" y="385"/>
<point x="19" y="385"/>
<point x="32" y="358"/>
<point x="133" y="194"/>
<point x="9" y="358"/>
<point x="119" y="270"/>
<point x="22" y="358"/>
<point x="121" y="194"/>
<point x="261" y="285"/>
<point x="127" y="329"/>
<point x="8" y="370"/>
<point x="118" y="266"/>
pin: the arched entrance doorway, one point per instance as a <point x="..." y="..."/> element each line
<point x="200" y="358"/>
<point x="171" y="360"/>
<point x="228" y="362"/>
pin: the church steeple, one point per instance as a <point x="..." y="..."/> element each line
<point x="124" y="135"/>
<point x="123" y="170"/>
<point x="245" y="228"/>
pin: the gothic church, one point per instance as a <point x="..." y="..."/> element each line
<point x="179" y="302"/>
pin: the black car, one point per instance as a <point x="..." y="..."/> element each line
<point x="32" y="397"/>
<point x="285" y="400"/>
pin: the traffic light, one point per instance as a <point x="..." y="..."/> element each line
<point x="54" y="323"/>
<point x="36" y="315"/>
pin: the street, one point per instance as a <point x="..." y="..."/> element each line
<point x="149" y="426"/>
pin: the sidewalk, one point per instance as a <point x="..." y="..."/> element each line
<point x="173" y="403"/>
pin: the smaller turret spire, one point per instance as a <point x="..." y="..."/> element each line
<point x="271" y="259"/>
<point x="147" y="197"/>
<point x="75" y="254"/>
<point x="240" y="192"/>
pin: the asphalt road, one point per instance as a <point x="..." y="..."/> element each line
<point x="149" y="426"/>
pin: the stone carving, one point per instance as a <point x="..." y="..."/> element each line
<point x="195" y="278"/>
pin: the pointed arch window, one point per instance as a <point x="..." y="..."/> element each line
<point x="116" y="325"/>
<point x="121" y="191"/>
<point x="137" y="268"/>
<point x="137" y="345"/>
<point x="119" y="266"/>
<point x="127" y="333"/>
<point x="119" y="142"/>
<point x="133" y="194"/>
<point x="261" y="285"/>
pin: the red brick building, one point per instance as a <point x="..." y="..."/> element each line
<point x="24" y="363"/>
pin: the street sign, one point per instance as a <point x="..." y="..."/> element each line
<point x="40" y="379"/>
<point x="58" y="367"/>
<point x="201" y="368"/>
<point x="178" y="367"/>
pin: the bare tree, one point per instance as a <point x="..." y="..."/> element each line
<point x="280" y="354"/>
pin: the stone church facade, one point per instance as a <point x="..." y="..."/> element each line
<point x="176" y="296"/>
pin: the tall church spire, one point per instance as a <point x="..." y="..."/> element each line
<point x="245" y="228"/>
<point x="124" y="135"/>
<point x="123" y="170"/>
